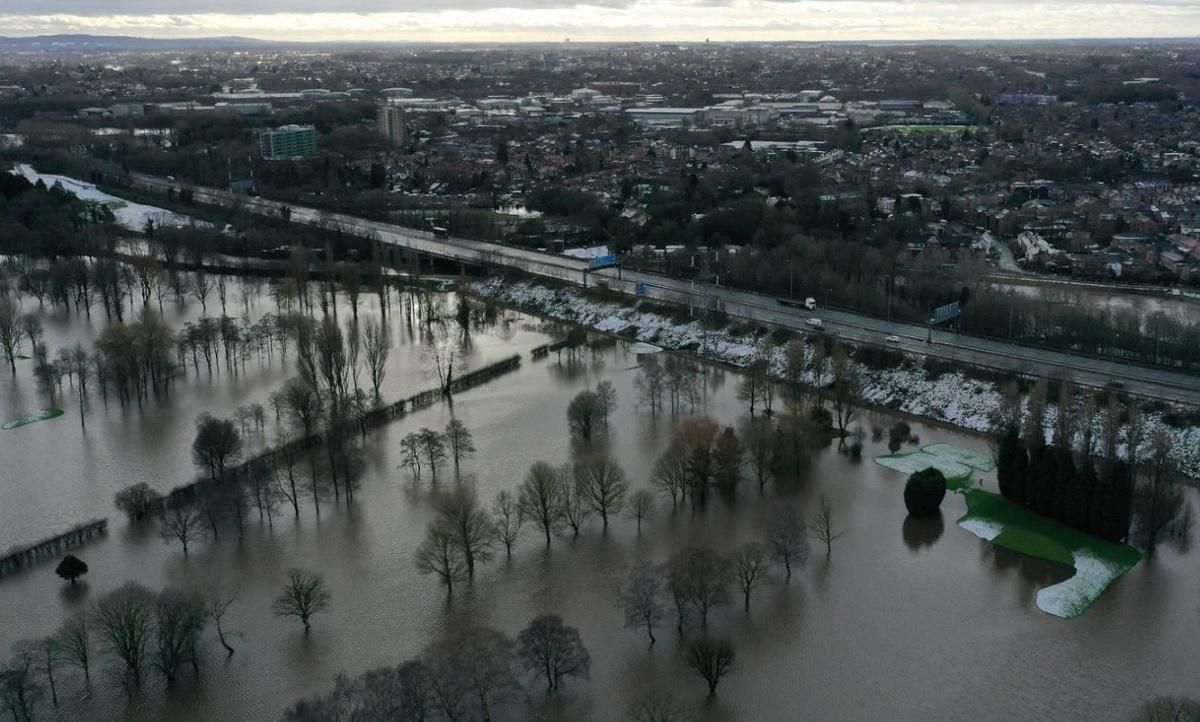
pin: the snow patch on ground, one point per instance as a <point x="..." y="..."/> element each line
<point x="919" y="460"/>
<point x="1071" y="597"/>
<point x="129" y="214"/>
<point x="982" y="528"/>
<point x="954" y="398"/>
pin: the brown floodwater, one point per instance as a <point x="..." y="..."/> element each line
<point x="907" y="620"/>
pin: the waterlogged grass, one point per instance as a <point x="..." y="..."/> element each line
<point x="991" y="517"/>
<point x="1098" y="563"/>
<point x="33" y="418"/>
<point x="955" y="463"/>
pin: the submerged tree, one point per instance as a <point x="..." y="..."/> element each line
<point x="441" y="556"/>
<point x="507" y="520"/>
<point x="712" y="659"/>
<point x="553" y="649"/>
<point x="749" y="569"/>
<point x="217" y="444"/>
<point x="459" y="441"/>
<point x="71" y="568"/>
<point x="304" y="595"/>
<point x="542" y="498"/>
<point x="640" y="598"/>
<point x="469" y="525"/>
<point x="124" y="622"/>
<point x="786" y="536"/>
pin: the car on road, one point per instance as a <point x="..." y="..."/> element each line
<point x="815" y="323"/>
<point x="892" y="339"/>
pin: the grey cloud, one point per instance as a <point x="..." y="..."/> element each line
<point x="246" y="7"/>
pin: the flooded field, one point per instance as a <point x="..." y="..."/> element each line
<point x="905" y="620"/>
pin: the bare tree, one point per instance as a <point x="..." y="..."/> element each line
<point x="651" y="384"/>
<point x="443" y="356"/>
<point x="182" y="525"/>
<point x="750" y="569"/>
<point x="201" y="287"/>
<point x="138" y="501"/>
<point x="124" y="621"/>
<point x="608" y="400"/>
<point x="786" y="536"/>
<point x="585" y="414"/>
<point x="847" y="388"/>
<point x="49" y="657"/>
<point x="458" y="440"/>
<point x="1160" y="510"/>
<point x="758" y="440"/>
<point x="470" y="526"/>
<point x="575" y="506"/>
<point x="604" y="483"/>
<point x="410" y="447"/>
<point x="822" y="524"/>
<point x="217" y="444"/>
<point x="712" y="659"/>
<point x="376" y="347"/>
<point x="703" y="577"/>
<point x="74" y="639"/>
<point x="641" y="506"/>
<point x="179" y="621"/>
<point x="217" y="600"/>
<point x="304" y="595"/>
<point x="479" y="663"/>
<point x="551" y="648"/>
<point x="507" y="520"/>
<point x="542" y="497"/>
<point x="19" y="688"/>
<point x="439" y="555"/>
<point x="11" y="332"/>
<point x="640" y="598"/>
<point x="433" y="449"/>
<point x="671" y="474"/>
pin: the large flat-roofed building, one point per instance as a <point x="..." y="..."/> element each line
<point x="288" y="141"/>
<point x="665" y="116"/>
<point x="389" y="121"/>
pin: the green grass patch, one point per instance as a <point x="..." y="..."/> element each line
<point x="1098" y="563"/>
<point x="33" y="418"/>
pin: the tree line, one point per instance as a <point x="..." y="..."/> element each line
<point x="1091" y="482"/>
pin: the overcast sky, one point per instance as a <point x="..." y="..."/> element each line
<point x="620" y="20"/>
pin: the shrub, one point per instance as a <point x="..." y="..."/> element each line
<point x="71" y="568"/>
<point x="821" y="418"/>
<point x="138" y="501"/>
<point x="924" y="491"/>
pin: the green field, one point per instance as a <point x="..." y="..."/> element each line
<point x="1097" y="563"/>
<point x="33" y="418"/>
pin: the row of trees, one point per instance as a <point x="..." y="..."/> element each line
<point x="471" y="675"/>
<point x="550" y="498"/>
<point x="1062" y="479"/>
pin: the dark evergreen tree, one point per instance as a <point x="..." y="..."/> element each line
<point x="1006" y="461"/>
<point x="1084" y="496"/>
<point x="1102" y="499"/>
<point x="1062" y="505"/>
<point x="1121" y="507"/>
<point x="1044" y="475"/>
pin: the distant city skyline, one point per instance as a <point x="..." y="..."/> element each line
<point x="607" y="20"/>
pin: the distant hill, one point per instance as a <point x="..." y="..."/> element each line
<point x="91" y="43"/>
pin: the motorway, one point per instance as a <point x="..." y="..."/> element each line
<point x="1151" y="383"/>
